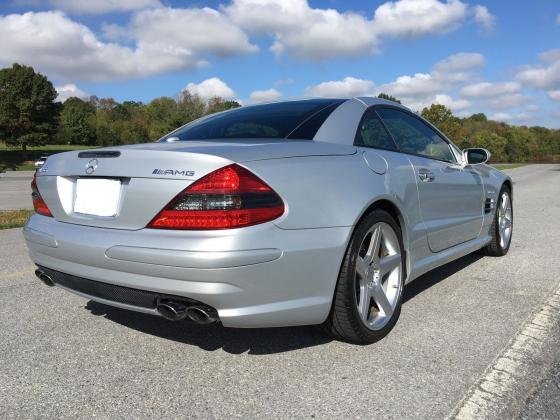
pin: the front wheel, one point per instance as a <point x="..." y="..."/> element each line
<point x="502" y="226"/>
<point x="367" y="301"/>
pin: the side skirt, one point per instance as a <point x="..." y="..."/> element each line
<point x="441" y="258"/>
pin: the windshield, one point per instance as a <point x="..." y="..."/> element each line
<point x="295" y="119"/>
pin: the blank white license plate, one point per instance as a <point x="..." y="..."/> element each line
<point x="97" y="196"/>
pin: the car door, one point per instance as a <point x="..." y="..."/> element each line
<point x="451" y="195"/>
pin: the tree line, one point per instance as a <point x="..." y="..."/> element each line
<point x="30" y="116"/>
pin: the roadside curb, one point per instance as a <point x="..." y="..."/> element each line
<point x="499" y="385"/>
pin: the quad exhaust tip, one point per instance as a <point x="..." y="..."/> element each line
<point x="174" y="310"/>
<point x="44" y="277"/>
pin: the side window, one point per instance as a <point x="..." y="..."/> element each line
<point x="371" y="133"/>
<point x="415" y="137"/>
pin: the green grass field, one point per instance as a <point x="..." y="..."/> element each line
<point x="13" y="218"/>
<point x="47" y="148"/>
<point x="501" y="166"/>
<point x="15" y="159"/>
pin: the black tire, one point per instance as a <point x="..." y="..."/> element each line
<point x="494" y="249"/>
<point x="344" y="322"/>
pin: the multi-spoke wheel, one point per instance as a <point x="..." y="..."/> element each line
<point x="505" y="219"/>
<point x="378" y="272"/>
<point x="368" y="295"/>
<point x="502" y="226"/>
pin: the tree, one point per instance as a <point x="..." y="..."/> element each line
<point x="481" y="117"/>
<point x="442" y="117"/>
<point x="494" y="143"/>
<point x="218" y="105"/>
<point x="28" y="111"/>
<point x="190" y="107"/>
<point x="388" y="97"/>
<point x="77" y="122"/>
<point x="162" y="116"/>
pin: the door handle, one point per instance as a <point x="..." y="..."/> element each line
<point x="426" y="175"/>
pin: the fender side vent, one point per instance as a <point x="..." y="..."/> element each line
<point x="488" y="205"/>
<point x="100" y="154"/>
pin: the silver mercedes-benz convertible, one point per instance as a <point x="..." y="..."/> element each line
<point x="312" y="211"/>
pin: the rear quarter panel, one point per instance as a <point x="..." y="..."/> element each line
<point x="323" y="192"/>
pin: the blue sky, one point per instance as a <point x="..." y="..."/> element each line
<point x="497" y="57"/>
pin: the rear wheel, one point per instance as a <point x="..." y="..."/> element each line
<point x="502" y="225"/>
<point x="367" y="300"/>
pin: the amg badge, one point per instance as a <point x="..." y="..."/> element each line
<point x="172" y="172"/>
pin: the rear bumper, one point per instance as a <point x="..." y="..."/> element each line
<point x="259" y="276"/>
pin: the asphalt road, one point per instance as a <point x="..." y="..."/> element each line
<point x="544" y="401"/>
<point x="15" y="190"/>
<point x="62" y="356"/>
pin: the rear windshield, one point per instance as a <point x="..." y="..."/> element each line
<point x="295" y="119"/>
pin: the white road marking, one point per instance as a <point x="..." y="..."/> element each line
<point x="493" y="390"/>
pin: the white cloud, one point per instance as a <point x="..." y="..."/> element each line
<point x="268" y="95"/>
<point x="544" y="76"/>
<point x="347" y="87"/>
<point x="305" y="32"/>
<point x="499" y="95"/>
<point x="418" y="85"/>
<point x="522" y="116"/>
<point x="487" y="89"/>
<point x="316" y="34"/>
<point x="483" y="17"/>
<point x="419" y="17"/>
<point x="103" y="6"/>
<point x="508" y="100"/>
<point x="453" y="104"/>
<point x="68" y="91"/>
<point x="554" y="95"/>
<point x="55" y="44"/>
<point x="550" y="56"/>
<point x="456" y="105"/>
<point x="190" y="31"/>
<point x="211" y="88"/>
<point x="460" y="62"/>
<point x="501" y="116"/>
<point x="422" y="88"/>
<point x="284" y="82"/>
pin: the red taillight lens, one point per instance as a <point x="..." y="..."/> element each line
<point x="38" y="203"/>
<point x="230" y="197"/>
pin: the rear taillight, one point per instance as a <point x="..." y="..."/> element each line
<point x="38" y="203"/>
<point x="230" y="197"/>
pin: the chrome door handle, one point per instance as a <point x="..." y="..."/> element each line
<point x="426" y="175"/>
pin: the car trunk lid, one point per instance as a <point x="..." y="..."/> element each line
<point x="125" y="187"/>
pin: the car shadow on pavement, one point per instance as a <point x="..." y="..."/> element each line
<point x="254" y="341"/>
<point x="214" y="337"/>
<point x="437" y="275"/>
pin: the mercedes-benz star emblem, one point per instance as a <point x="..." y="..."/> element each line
<point x="91" y="166"/>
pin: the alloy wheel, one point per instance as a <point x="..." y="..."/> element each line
<point x="505" y="219"/>
<point x="378" y="276"/>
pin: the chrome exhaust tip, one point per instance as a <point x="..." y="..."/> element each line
<point x="171" y="310"/>
<point x="44" y="277"/>
<point x="200" y="315"/>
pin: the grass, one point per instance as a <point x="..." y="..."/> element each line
<point x="26" y="166"/>
<point x="48" y="147"/>
<point x="502" y="166"/>
<point x="15" y="159"/>
<point x="14" y="218"/>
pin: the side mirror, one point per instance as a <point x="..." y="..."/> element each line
<point x="474" y="156"/>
